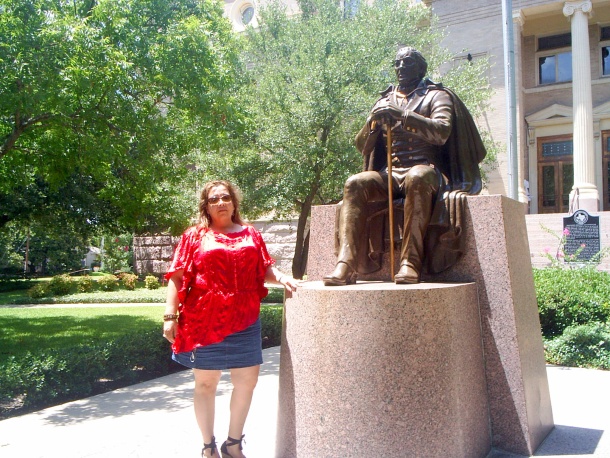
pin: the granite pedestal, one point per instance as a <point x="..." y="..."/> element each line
<point x="377" y="369"/>
<point x="497" y="259"/>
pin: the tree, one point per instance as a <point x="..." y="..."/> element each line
<point x="104" y="103"/>
<point x="50" y="250"/>
<point x="313" y="78"/>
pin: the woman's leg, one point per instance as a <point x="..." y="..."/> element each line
<point x="244" y="381"/>
<point x="204" y="401"/>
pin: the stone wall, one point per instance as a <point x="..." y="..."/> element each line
<point x="153" y="255"/>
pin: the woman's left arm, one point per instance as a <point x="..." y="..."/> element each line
<point x="274" y="275"/>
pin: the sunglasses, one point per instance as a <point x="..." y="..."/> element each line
<point x="406" y="62"/>
<point x="226" y="198"/>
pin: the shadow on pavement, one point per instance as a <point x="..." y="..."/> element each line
<point x="169" y="394"/>
<point x="570" y="440"/>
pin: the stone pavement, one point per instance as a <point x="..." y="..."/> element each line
<point x="155" y="419"/>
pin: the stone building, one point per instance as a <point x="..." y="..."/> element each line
<point x="562" y="79"/>
<point x="562" y="103"/>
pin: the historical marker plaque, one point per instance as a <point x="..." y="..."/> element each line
<point x="582" y="233"/>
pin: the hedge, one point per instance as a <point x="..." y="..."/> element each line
<point x="569" y="297"/>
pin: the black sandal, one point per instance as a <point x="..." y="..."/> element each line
<point x="212" y="446"/>
<point x="229" y="443"/>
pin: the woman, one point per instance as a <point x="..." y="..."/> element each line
<point x="215" y="285"/>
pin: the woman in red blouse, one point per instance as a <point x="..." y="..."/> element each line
<point x="215" y="285"/>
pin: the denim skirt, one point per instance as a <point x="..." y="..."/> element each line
<point x="242" y="349"/>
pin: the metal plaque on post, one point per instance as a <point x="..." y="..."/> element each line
<point x="582" y="238"/>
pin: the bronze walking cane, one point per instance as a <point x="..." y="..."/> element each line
<point x="390" y="198"/>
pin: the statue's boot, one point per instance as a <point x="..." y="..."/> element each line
<point x="342" y="275"/>
<point x="407" y="274"/>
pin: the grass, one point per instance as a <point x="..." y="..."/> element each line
<point x="32" y="329"/>
<point x="24" y="329"/>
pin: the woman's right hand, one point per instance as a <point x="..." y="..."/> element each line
<point x="169" y="330"/>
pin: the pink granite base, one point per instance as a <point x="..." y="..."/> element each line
<point x="497" y="259"/>
<point x="378" y="369"/>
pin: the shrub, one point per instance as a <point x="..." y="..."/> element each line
<point x="14" y="283"/>
<point x="271" y="325"/>
<point x="275" y="296"/>
<point x="108" y="283"/>
<point x="571" y="297"/>
<point x="43" y="378"/>
<point x="38" y="291"/>
<point x="585" y="345"/>
<point x="60" y="285"/>
<point x="84" y="284"/>
<point x="151" y="282"/>
<point x="129" y="281"/>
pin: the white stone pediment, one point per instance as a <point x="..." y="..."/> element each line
<point x="555" y="112"/>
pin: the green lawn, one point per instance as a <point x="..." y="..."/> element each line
<point x="31" y="329"/>
<point x="24" y="329"/>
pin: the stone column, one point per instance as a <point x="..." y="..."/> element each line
<point x="584" y="193"/>
<point x="518" y="21"/>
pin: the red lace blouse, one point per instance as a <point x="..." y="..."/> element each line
<point x="222" y="286"/>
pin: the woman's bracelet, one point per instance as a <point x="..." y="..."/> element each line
<point x="279" y="280"/>
<point x="170" y="317"/>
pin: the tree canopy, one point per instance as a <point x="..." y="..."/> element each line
<point x="313" y="79"/>
<point x="113" y="112"/>
<point x="103" y="104"/>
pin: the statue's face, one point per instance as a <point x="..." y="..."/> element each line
<point x="409" y="68"/>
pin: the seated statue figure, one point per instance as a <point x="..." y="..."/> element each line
<point x="436" y="151"/>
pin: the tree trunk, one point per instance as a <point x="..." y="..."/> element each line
<point x="299" y="262"/>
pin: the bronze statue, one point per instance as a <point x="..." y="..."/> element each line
<point x="435" y="152"/>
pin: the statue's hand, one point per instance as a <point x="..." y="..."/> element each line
<point x="386" y="112"/>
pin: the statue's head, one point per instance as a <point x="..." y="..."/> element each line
<point x="410" y="67"/>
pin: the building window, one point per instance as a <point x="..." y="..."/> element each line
<point x="604" y="35"/>
<point x="555" y="67"/>
<point x="247" y="13"/>
<point x="243" y="13"/>
<point x="563" y="40"/>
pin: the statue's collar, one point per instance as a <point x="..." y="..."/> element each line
<point x="422" y="88"/>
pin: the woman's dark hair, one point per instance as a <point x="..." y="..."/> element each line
<point x="235" y="194"/>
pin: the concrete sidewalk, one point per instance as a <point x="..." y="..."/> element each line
<point x="155" y="419"/>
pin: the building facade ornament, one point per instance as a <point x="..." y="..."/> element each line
<point x="570" y="8"/>
<point x="518" y="18"/>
